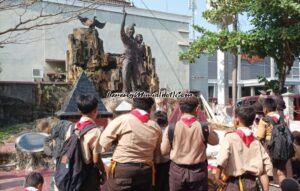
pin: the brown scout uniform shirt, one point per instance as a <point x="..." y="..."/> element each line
<point x="90" y="143"/>
<point x="138" y="142"/>
<point x="188" y="144"/>
<point x="236" y="158"/>
<point x="264" y="130"/>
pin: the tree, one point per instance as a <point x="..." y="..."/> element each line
<point x="275" y="33"/>
<point x="28" y="15"/>
<point x="222" y="13"/>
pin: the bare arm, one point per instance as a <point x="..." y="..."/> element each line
<point x="124" y="37"/>
<point x="165" y="144"/>
<point x="213" y="138"/>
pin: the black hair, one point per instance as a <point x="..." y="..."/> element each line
<point x="270" y="104"/>
<point x="280" y="103"/>
<point x="86" y="103"/>
<point x="161" y="118"/>
<point x="144" y="103"/>
<point x="34" y="179"/>
<point x="246" y="115"/>
<point x="289" y="184"/>
<point x="296" y="136"/>
<point x="188" y="104"/>
<point x="258" y="108"/>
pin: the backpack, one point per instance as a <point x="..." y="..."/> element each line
<point x="71" y="170"/>
<point x="54" y="143"/>
<point x="205" y="132"/>
<point x="281" y="144"/>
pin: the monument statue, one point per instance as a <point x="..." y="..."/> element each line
<point x="129" y="63"/>
<point x="141" y="58"/>
<point x="111" y="72"/>
<point x="91" y="23"/>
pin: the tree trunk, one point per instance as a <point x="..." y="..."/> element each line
<point x="282" y="77"/>
<point x="235" y="64"/>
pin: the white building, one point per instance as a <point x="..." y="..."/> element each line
<point x="167" y="34"/>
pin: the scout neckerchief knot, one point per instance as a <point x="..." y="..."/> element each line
<point x="82" y="124"/>
<point x="188" y="120"/>
<point x="246" y="135"/>
<point x="142" y="115"/>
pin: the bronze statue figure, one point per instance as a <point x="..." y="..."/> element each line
<point x="129" y="65"/>
<point x="141" y="57"/>
<point x="91" y="23"/>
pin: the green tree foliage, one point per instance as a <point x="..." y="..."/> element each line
<point x="275" y="32"/>
<point x="269" y="85"/>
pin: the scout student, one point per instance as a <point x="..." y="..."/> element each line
<point x="280" y="109"/>
<point x="265" y="130"/>
<point x="186" y="142"/>
<point x="242" y="158"/>
<point x="163" y="164"/>
<point x="89" y="133"/>
<point x="296" y="158"/>
<point x="289" y="184"/>
<point x="137" y="140"/>
<point x="34" y="182"/>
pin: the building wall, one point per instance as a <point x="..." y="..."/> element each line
<point x="199" y="75"/>
<point x="159" y="32"/>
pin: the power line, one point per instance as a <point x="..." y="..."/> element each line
<point x="159" y="20"/>
<point x="159" y="45"/>
<point x="166" y="57"/>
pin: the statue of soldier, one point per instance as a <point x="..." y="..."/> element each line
<point x="141" y="56"/>
<point x="129" y="65"/>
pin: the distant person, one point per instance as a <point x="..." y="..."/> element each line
<point x="163" y="164"/>
<point x="296" y="158"/>
<point x="259" y="114"/>
<point x="289" y="184"/>
<point x="279" y="145"/>
<point x="242" y="158"/>
<point x="34" y="182"/>
<point x="85" y="166"/>
<point x="280" y="109"/>
<point x="186" y="141"/>
<point x="138" y="140"/>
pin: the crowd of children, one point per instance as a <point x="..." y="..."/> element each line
<point x="151" y="154"/>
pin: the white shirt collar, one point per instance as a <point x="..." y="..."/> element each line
<point x="143" y="112"/>
<point x="246" y="130"/>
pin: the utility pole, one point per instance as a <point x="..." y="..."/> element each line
<point x="193" y="7"/>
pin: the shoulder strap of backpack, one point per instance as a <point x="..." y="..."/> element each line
<point x="205" y="131"/>
<point x="171" y="133"/>
<point x="87" y="128"/>
<point x="269" y="120"/>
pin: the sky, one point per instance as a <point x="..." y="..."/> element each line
<point x="181" y="7"/>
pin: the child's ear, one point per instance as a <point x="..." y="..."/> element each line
<point x="40" y="187"/>
<point x="236" y="121"/>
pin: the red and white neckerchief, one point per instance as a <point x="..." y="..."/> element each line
<point x="83" y="122"/>
<point x="188" y="120"/>
<point x="142" y="115"/>
<point x="30" y="189"/>
<point x="246" y="135"/>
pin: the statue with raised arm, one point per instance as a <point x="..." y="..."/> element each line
<point x="129" y="65"/>
<point x="141" y="54"/>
